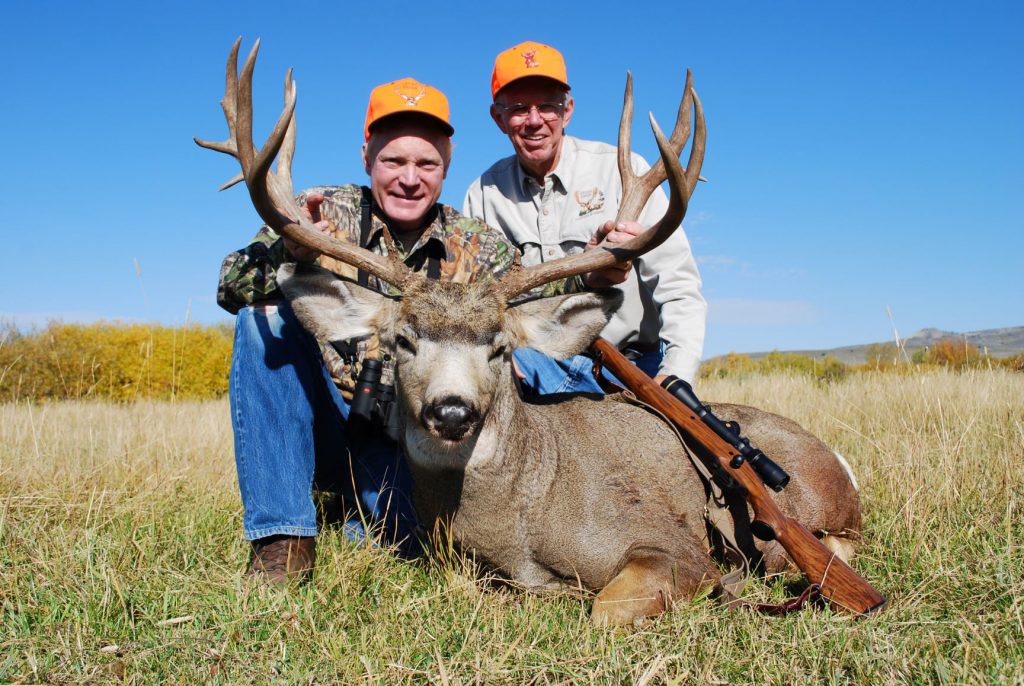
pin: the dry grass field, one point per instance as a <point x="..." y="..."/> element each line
<point x="121" y="560"/>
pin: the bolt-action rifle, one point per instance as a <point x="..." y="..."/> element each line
<point x="750" y="468"/>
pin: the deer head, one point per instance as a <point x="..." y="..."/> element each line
<point x="452" y="342"/>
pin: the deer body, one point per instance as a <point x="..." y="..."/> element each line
<point x="549" y="497"/>
<point x="569" y="491"/>
<point x="558" y="494"/>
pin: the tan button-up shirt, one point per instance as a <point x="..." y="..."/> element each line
<point x="662" y="294"/>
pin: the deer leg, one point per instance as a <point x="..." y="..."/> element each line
<point x="645" y="587"/>
<point x="843" y="547"/>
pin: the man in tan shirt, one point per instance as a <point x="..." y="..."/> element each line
<point x="558" y="194"/>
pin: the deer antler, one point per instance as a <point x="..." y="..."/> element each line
<point x="271" y="192"/>
<point x="635" y="192"/>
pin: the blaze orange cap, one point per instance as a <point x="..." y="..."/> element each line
<point x="527" y="59"/>
<point x="404" y="96"/>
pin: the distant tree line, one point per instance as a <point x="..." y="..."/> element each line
<point x="879" y="357"/>
<point x="125" y="362"/>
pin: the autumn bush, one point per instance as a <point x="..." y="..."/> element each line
<point x="736" y="365"/>
<point x="950" y="353"/>
<point x="114" y="361"/>
<point x="956" y="355"/>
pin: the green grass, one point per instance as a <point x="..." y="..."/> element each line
<point x="121" y="560"/>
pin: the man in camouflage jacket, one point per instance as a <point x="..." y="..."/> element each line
<point x="289" y="393"/>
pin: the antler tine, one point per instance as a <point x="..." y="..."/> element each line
<point x="700" y="134"/>
<point x="283" y="169"/>
<point x="625" y="134"/>
<point x="243" y="117"/>
<point x="230" y="101"/>
<point x="520" y="281"/>
<point x="681" y="130"/>
<point x="271" y="193"/>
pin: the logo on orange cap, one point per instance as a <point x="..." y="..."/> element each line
<point x="527" y="59"/>
<point x="407" y="95"/>
<point x="404" y="88"/>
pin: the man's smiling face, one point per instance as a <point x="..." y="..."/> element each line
<point x="407" y="164"/>
<point x="536" y="136"/>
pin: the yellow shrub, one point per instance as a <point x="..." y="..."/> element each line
<point x="736" y="365"/>
<point x="952" y="353"/>
<point x="115" y="362"/>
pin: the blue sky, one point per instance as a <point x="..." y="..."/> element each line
<point x="861" y="156"/>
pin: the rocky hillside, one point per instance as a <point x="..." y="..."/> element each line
<point x="995" y="342"/>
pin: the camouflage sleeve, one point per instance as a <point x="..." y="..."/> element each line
<point x="494" y="254"/>
<point x="249" y="275"/>
<point x="570" y="284"/>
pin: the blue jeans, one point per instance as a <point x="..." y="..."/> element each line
<point x="545" y="375"/>
<point x="291" y="430"/>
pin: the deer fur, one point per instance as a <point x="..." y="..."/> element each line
<point x="571" y="491"/>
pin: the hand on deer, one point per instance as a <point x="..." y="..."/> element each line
<point x="614" y="233"/>
<point x="312" y="210"/>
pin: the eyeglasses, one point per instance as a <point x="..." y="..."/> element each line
<point x="518" y="112"/>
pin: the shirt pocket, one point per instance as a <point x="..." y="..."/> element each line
<point x="578" y="230"/>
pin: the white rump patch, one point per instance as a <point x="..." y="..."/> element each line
<point x="849" y="472"/>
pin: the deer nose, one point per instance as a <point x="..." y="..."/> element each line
<point x="449" y="416"/>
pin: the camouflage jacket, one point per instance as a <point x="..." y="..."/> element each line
<point x="464" y="247"/>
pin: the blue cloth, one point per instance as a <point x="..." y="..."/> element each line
<point x="291" y="430"/>
<point x="545" y="375"/>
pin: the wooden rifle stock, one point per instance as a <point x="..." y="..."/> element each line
<point x="839" y="584"/>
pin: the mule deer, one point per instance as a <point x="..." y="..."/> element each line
<point x="576" y="491"/>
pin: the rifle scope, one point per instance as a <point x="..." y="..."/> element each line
<point x="774" y="476"/>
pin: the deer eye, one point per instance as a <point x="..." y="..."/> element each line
<point x="403" y="343"/>
<point x="498" y="346"/>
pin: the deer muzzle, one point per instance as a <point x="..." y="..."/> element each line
<point x="450" y="418"/>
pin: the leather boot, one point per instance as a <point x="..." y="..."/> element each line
<point x="283" y="559"/>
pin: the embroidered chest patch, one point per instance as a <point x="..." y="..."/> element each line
<point x="589" y="201"/>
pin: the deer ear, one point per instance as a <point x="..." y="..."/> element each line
<point x="329" y="308"/>
<point x="562" y="326"/>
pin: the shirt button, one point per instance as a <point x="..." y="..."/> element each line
<point x="545" y="211"/>
<point x="551" y="252"/>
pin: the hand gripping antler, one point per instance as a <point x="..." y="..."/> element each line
<point x="271" y="192"/>
<point x="635" y="192"/>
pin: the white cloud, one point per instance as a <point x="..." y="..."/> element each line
<point x="692" y="221"/>
<point x="746" y="270"/>
<point x="748" y="312"/>
<point x="715" y="262"/>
